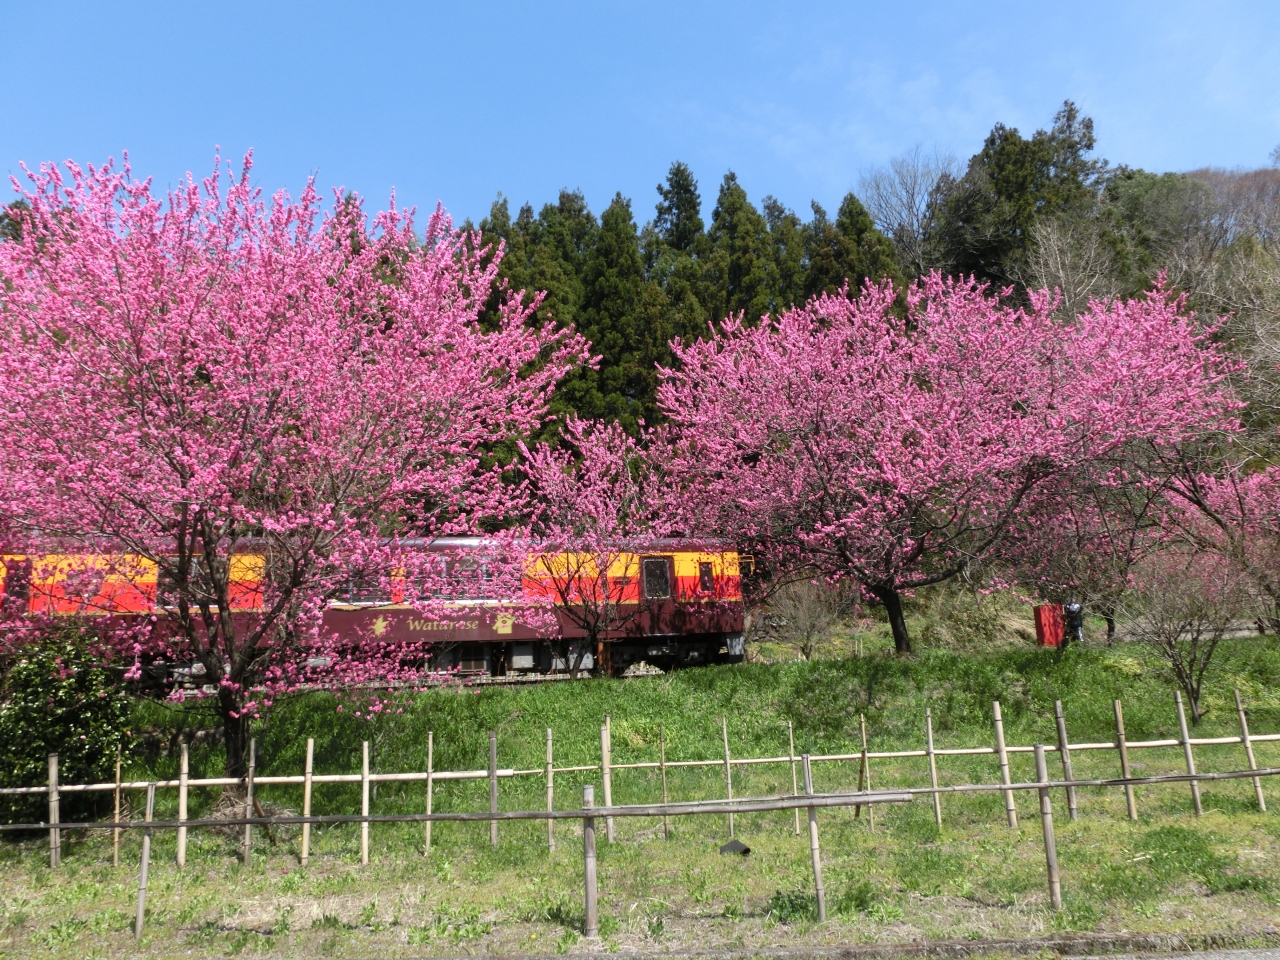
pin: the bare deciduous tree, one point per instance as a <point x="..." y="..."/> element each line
<point x="897" y="197"/>
<point x="1182" y="605"/>
<point x="1073" y="257"/>
<point x="804" y="612"/>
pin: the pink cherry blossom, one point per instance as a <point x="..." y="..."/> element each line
<point x="213" y="373"/>
<point x="895" y="448"/>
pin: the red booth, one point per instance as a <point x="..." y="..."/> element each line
<point x="1050" y="627"/>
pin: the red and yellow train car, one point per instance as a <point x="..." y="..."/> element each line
<point x="668" y="602"/>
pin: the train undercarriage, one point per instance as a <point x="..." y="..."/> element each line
<point x="608" y="658"/>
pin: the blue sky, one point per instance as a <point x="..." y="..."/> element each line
<point x="457" y="101"/>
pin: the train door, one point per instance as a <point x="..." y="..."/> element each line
<point x="657" y="602"/>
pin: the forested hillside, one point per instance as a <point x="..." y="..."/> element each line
<point x="1041" y="210"/>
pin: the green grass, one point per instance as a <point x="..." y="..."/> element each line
<point x="905" y="879"/>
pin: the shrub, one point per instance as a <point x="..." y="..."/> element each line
<point x="56" y="696"/>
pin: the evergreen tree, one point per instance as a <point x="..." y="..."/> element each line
<point x="625" y="318"/>
<point x="981" y="223"/>
<point x="851" y="250"/>
<point x="675" y="247"/>
<point x="11" y="220"/>
<point x="1150" y="220"/>
<point x="790" y="258"/>
<point x="679" y="212"/>
<point x="546" y="254"/>
<point x="740" y="273"/>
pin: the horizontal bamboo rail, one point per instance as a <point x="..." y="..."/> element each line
<point x="441" y="775"/>
<point x="688" y="808"/>
<point x="683" y="808"/>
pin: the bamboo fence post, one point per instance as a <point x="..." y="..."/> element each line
<point x="431" y="761"/>
<point x="795" y="787"/>
<point x="551" y="835"/>
<point x="184" y="772"/>
<point x="248" y="798"/>
<point x="493" y="786"/>
<point x="1123" y="746"/>
<point x="146" y="862"/>
<point x="1010" y="808"/>
<point x="815" y="852"/>
<point x="1046" y="826"/>
<point x="1248" y="750"/>
<point x="728" y="769"/>
<point x="606" y="772"/>
<point x="591" y="925"/>
<point x="364" y="801"/>
<point x="865" y="770"/>
<point x="1186" y="752"/>
<point x="55" y="835"/>
<point x="662" y="766"/>
<point x="115" y="832"/>
<point x="1064" y="750"/>
<point x="308" y="772"/>
<point x="933" y="766"/>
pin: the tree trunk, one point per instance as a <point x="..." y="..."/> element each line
<point x="893" y="607"/>
<point x="235" y="726"/>
<point x="1111" y="628"/>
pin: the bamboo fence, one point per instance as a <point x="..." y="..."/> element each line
<point x="588" y="813"/>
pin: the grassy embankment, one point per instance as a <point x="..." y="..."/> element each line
<point x="905" y="880"/>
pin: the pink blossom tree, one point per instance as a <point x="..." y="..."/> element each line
<point x="896" y="450"/>
<point x="213" y="374"/>
<point x="1234" y="514"/>
<point x="1078" y="537"/>
<point x="595" y="511"/>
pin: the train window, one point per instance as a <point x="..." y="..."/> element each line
<point x="657" y="578"/>
<point x="364" y="590"/>
<point x="706" y="582"/>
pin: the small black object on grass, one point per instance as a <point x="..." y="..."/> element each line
<point x="735" y="847"/>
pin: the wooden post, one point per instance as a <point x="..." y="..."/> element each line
<point x="864" y="776"/>
<point x="606" y="772"/>
<point x="364" y="801"/>
<point x="431" y="776"/>
<point x="493" y="786"/>
<point x="1010" y="808"/>
<point x="1046" y="826"/>
<point x="1248" y="751"/>
<point x="115" y="832"/>
<point x="814" y="852"/>
<point x="1186" y="752"/>
<point x="933" y="766"/>
<point x="1064" y="750"/>
<point x="662" y="766"/>
<point x="146" y="862"/>
<point x="592" y="920"/>
<point x="55" y="835"/>
<point x="248" y="798"/>
<point x="551" y="795"/>
<point x="1123" y="746"/>
<point x="184" y="771"/>
<point x="308" y="772"/>
<point x="728" y="769"/>
<point x="795" y="787"/>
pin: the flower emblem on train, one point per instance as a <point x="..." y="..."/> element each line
<point x="380" y="626"/>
